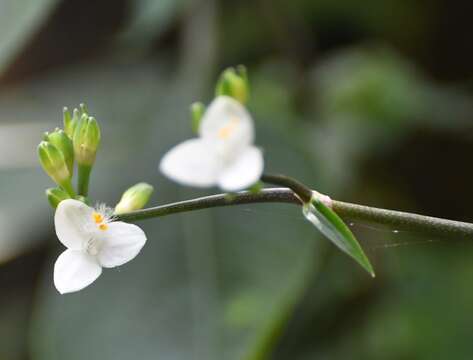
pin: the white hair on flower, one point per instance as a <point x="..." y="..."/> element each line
<point x="93" y="240"/>
<point x="105" y="211"/>
<point x="222" y="155"/>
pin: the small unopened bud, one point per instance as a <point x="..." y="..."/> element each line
<point x="134" y="198"/>
<point x="86" y="140"/>
<point x="197" y="111"/>
<point x="234" y="83"/>
<point x="83" y="108"/>
<point x="62" y="142"/>
<point x="54" y="164"/>
<point x="70" y="123"/>
<point x="66" y="117"/>
<point x="56" y="195"/>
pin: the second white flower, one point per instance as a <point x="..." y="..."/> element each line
<point x="222" y="155"/>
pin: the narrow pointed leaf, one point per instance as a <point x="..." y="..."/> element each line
<point x="333" y="227"/>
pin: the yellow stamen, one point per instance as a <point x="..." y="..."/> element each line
<point x="98" y="218"/>
<point x="225" y="131"/>
<point x="103" y="227"/>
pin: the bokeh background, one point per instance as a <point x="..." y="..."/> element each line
<point x="369" y="101"/>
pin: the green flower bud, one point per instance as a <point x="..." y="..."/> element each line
<point x="83" y="108"/>
<point x="66" y="117"/>
<point x="54" y="164"/>
<point x="62" y="142"/>
<point x="234" y="83"/>
<point x="197" y="111"/>
<point x="70" y="123"/>
<point x="134" y="198"/>
<point x="86" y="140"/>
<point x="56" y="195"/>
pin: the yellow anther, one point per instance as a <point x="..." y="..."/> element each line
<point x="103" y="227"/>
<point x="98" y="218"/>
<point x="225" y="131"/>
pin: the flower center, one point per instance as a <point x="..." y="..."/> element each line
<point x="226" y="131"/>
<point x="103" y="227"/>
<point x="98" y="218"/>
<point x="100" y="221"/>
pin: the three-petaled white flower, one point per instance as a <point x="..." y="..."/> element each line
<point x="222" y="155"/>
<point x="93" y="241"/>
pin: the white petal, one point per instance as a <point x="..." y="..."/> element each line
<point x="244" y="171"/>
<point x="74" y="270"/>
<point x="121" y="242"/>
<point x="193" y="162"/>
<point x="72" y="220"/>
<point x="227" y="120"/>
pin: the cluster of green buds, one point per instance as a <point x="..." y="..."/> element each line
<point x="77" y="144"/>
<point x="58" y="152"/>
<point x="61" y="149"/>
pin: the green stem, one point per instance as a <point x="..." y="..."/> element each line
<point x="244" y="197"/>
<point x="403" y="220"/>
<point x="303" y="191"/>
<point x="83" y="179"/>
<point x="396" y="219"/>
<point x="67" y="186"/>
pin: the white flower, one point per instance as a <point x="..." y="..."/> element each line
<point x="93" y="241"/>
<point x="222" y="155"/>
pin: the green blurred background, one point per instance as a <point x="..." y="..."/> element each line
<point x="370" y="102"/>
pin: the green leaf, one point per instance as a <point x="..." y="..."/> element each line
<point x="333" y="227"/>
